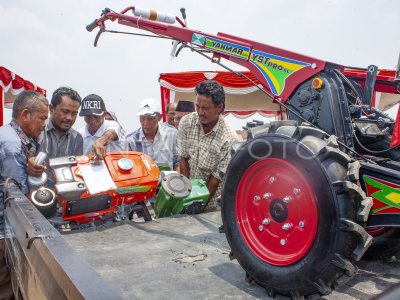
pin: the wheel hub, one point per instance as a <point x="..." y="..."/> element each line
<point x="278" y="210"/>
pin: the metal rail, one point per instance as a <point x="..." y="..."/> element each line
<point x="45" y="266"/>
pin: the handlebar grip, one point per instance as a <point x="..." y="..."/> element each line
<point x="183" y="12"/>
<point x="91" y="26"/>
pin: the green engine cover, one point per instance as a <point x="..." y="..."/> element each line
<point x="178" y="195"/>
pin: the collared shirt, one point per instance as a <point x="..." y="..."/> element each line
<point x="15" y="147"/>
<point x="71" y="143"/>
<point x="207" y="153"/>
<point x="163" y="150"/>
<point x="89" y="139"/>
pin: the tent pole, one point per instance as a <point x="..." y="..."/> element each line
<point x="165" y="99"/>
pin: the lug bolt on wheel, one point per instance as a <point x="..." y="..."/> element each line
<point x="272" y="179"/>
<point x="301" y="224"/>
<point x="266" y="221"/>
<point x="286" y="226"/>
<point x="283" y="242"/>
<point x="296" y="191"/>
<point x="287" y="199"/>
<point x="267" y="196"/>
<point x="256" y="198"/>
<point x="260" y="228"/>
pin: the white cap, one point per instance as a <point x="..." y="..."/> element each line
<point x="149" y="106"/>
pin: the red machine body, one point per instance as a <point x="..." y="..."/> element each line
<point x="135" y="176"/>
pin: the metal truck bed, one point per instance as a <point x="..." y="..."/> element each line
<point x="185" y="257"/>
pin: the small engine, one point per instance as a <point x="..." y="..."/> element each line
<point x="90" y="190"/>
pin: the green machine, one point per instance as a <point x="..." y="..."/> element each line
<point x="179" y="195"/>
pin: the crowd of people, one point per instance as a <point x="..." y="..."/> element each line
<point x="195" y="140"/>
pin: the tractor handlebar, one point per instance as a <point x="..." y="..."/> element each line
<point x="278" y="70"/>
<point x="92" y="26"/>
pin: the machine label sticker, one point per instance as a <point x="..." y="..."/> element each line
<point x="133" y="189"/>
<point x="225" y="47"/>
<point x="275" y="69"/>
<point x="386" y="195"/>
<point x="198" y="39"/>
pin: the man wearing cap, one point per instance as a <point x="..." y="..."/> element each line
<point x="155" y="139"/>
<point x="204" y="140"/>
<point x="183" y="108"/>
<point x="99" y="135"/>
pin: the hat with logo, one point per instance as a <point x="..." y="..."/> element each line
<point x="92" y="105"/>
<point x="185" y="106"/>
<point x="149" y="106"/>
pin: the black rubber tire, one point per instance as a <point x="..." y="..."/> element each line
<point x="385" y="245"/>
<point x="339" y="240"/>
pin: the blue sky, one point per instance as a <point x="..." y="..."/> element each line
<point x="46" y="42"/>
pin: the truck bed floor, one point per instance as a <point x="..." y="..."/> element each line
<point x="185" y="257"/>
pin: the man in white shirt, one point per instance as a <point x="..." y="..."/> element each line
<point x="155" y="139"/>
<point x="99" y="135"/>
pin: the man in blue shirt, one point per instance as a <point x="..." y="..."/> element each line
<point x="17" y="145"/>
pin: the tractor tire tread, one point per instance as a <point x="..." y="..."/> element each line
<point x="322" y="287"/>
<point x="354" y="171"/>
<point x="334" y="153"/>
<point x="257" y="131"/>
<point x="365" y="239"/>
<point x="311" y="131"/>
<point x="344" y="264"/>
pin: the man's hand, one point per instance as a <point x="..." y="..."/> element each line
<point x="212" y="185"/>
<point x="34" y="169"/>
<point x="98" y="147"/>
<point x="184" y="167"/>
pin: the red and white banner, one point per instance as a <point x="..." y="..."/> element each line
<point x="11" y="85"/>
<point x="239" y="91"/>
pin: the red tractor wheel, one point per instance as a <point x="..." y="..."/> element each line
<point x="290" y="209"/>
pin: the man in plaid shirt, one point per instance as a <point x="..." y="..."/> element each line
<point x="204" y="139"/>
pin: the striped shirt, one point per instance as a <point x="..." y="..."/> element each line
<point x="163" y="150"/>
<point x="207" y="153"/>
